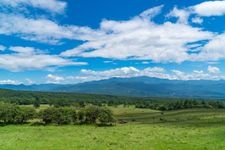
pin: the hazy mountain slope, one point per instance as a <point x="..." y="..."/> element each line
<point x="138" y="86"/>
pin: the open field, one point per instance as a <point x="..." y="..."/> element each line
<point x="194" y="129"/>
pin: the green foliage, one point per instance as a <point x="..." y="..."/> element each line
<point x="82" y="100"/>
<point x="91" y="114"/>
<point x="36" y="102"/>
<point x="13" y="114"/>
<point x="105" y="117"/>
<point x="60" y="115"/>
<point x="180" y="104"/>
<point x="24" y="114"/>
<point x="99" y="115"/>
<point x="68" y="115"/>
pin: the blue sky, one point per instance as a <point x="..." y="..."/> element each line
<point x="56" y="41"/>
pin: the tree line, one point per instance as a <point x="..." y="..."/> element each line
<point x="14" y="114"/>
<point x="82" y="100"/>
<point x="181" y="104"/>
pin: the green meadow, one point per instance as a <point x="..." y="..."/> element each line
<point x="136" y="129"/>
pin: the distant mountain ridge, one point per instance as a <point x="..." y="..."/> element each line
<point x="136" y="86"/>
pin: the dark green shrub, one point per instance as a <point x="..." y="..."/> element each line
<point x="105" y="117"/>
<point x="59" y="115"/>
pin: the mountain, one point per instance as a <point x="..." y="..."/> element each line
<point x="137" y="86"/>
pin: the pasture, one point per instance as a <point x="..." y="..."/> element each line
<point x="143" y="129"/>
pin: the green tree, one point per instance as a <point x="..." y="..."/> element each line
<point x="36" y="102"/>
<point x="24" y="114"/>
<point x="105" y="117"/>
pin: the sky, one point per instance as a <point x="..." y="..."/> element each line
<point x="68" y="42"/>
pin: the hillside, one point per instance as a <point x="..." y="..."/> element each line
<point x="137" y="86"/>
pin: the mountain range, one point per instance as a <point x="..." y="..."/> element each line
<point x="136" y="86"/>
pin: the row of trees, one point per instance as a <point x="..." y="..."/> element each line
<point x="68" y="115"/>
<point x="181" y="104"/>
<point x="14" y="114"/>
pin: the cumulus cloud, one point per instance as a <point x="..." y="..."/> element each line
<point x="54" y="78"/>
<point x="138" y="38"/>
<point x="194" y="75"/>
<point x="55" y="6"/>
<point x="212" y="73"/>
<point x="41" y="30"/>
<point x="28" y="58"/>
<point x="210" y="8"/>
<point x="141" y="39"/>
<point x="8" y="81"/>
<point x="214" y="50"/>
<point x="123" y="72"/>
<point x="118" y="72"/>
<point x="195" y="14"/>
<point x="213" y="70"/>
<point x="157" y="72"/>
<point x="197" y="20"/>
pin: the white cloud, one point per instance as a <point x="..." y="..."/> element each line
<point x="28" y="58"/>
<point x="214" y="50"/>
<point x="195" y="75"/>
<point x="124" y="72"/>
<point x="54" y="78"/>
<point x="20" y="49"/>
<point x="210" y="8"/>
<point x="8" y="81"/>
<point x="55" y="6"/>
<point x="119" y="72"/>
<point x="197" y="20"/>
<point x="140" y="38"/>
<point x="212" y="73"/>
<point x="181" y="14"/>
<point x="213" y="70"/>
<point x="197" y="12"/>
<point x="42" y="30"/>
<point x="157" y="72"/>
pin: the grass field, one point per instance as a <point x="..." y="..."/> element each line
<point x="196" y="129"/>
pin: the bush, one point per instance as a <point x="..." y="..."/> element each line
<point x="60" y="115"/>
<point x="81" y="116"/>
<point x="24" y="114"/>
<point x="98" y="115"/>
<point x="13" y="114"/>
<point x="105" y="117"/>
<point x="91" y="114"/>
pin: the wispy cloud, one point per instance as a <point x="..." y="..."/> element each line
<point x="29" y="58"/>
<point x="54" y="6"/>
